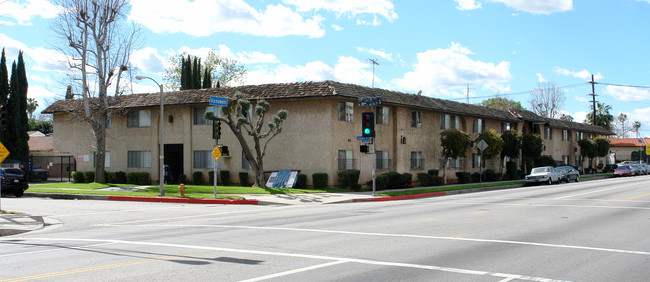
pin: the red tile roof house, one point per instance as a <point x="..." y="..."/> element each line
<point x="623" y="147"/>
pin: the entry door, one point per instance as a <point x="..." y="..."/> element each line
<point x="174" y="159"/>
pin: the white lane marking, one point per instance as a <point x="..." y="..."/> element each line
<point x="297" y="255"/>
<point x="198" y="215"/>
<point x="401" y="236"/>
<point x="590" y="192"/>
<point x="276" y="275"/>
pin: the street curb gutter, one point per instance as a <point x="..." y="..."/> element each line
<point x="141" y="199"/>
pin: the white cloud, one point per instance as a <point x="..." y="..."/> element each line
<point x="337" y="27"/>
<point x="460" y="49"/>
<point x="148" y="60"/>
<point x="379" y="53"/>
<point x="23" y="11"/>
<point x="540" y="78"/>
<point x="374" y="22"/>
<point x="627" y="93"/>
<point x="539" y="7"/>
<point x="467" y="5"/>
<point x="347" y="69"/>
<point x="44" y="59"/>
<point x="581" y="99"/>
<point x="583" y="74"/>
<point x="641" y="115"/>
<point x="209" y="17"/>
<point x="384" y="8"/>
<point x="254" y="57"/>
<point x="439" y="71"/>
<point x="580" y="116"/>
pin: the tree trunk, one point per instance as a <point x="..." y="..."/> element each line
<point x="444" y="170"/>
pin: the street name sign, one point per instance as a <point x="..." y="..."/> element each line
<point x="218" y="101"/>
<point x="363" y="139"/>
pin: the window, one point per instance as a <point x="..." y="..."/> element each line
<point x="479" y="125"/>
<point x="199" y="114"/>
<point x="203" y="159"/>
<point x="505" y="126"/>
<point x="565" y="135"/>
<point x="565" y="160"/>
<point x="138" y="159"/>
<point x="383" y="160"/>
<point x="107" y="159"/>
<point x="346" y="111"/>
<point x="449" y="122"/>
<point x="140" y="118"/>
<point x="578" y="135"/>
<point x="453" y="163"/>
<point x="476" y="161"/>
<point x="417" y="162"/>
<point x="578" y="160"/>
<point x="382" y="115"/>
<point x="244" y="161"/>
<point x="416" y="119"/>
<point x="249" y="115"/>
<point x="346" y="159"/>
<point x="548" y="133"/>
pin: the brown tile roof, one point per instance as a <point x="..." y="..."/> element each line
<point x="40" y="143"/>
<point x="328" y="88"/>
<point x="556" y="123"/>
<point x="628" y="142"/>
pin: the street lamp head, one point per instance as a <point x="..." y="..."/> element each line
<point x="140" y="77"/>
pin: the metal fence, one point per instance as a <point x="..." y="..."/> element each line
<point x="60" y="167"/>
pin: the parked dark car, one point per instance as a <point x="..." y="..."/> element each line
<point x="569" y="173"/>
<point x="13" y="181"/>
<point x="38" y="173"/>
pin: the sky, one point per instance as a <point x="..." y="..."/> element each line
<point x="444" y="48"/>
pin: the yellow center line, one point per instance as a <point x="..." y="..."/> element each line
<point x="88" y="269"/>
<point x="632" y="198"/>
<point x="429" y="219"/>
<point x="479" y="212"/>
<point x="464" y="235"/>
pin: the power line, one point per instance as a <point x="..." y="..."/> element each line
<point x="623" y="85"/>
<point x="516" y="93"/>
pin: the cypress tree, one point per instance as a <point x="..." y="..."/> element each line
<point x="23" y="145"/>
<point x="17" y="125"/>
<point x="183" y="74"/>
<point x="4" y="90"/>
<point x="207" y="80"/>
<point x="196" y="74"/>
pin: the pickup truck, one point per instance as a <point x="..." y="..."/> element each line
<point x="13" y="181"/>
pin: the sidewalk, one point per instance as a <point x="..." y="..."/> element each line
<point x="12" y="224"/>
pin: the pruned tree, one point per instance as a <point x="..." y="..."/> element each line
<point x="494" y="141"/>
<point x="603" y="118"/>
<point x="501" y="104"/>
<point x="455" y="144"/>
<point x="547" y="100"/>
<point x="98" y="44"/>
<point x="601" y="145"/>
<point x="242" y="124"/>
<point x="587" y="149"/>
<point x="532" y="146"/>
<point x="223" y="71"/>
<point x="511" y="146"/>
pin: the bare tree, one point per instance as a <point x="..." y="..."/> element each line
<point x="547" y="100"/>
<point x="240" y="120"/>
<point x="97" y="42"/>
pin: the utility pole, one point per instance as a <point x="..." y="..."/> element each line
<point x="374" y="63"/>
<point x="593" y="98"/>
<point x="468" y="92"/>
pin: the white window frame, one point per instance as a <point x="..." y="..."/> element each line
<point x="416" y="119"/>
<point x="346" y="111"/>
<point x="345" y="160"/>
<point x="142" y="159"/>
<point x="198" y="114"/>
<point x="202" y="159"/>
<point x="382" y="115"/>
<point x="448" y="121"/>
<point x="138" y="118"/>
<point x="479" y="125"/>
<point x="417" y="160"/>
<point x="383" y="160"/>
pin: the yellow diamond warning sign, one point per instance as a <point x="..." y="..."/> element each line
<point x="216" y="154"/>
<point x="4" y="153"/>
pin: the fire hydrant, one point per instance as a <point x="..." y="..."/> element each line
<point x="182" y="188"/>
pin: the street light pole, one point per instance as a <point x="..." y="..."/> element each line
<point x="161" y="151"/>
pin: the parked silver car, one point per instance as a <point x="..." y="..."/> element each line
<point x="569" y="173"/>
<point x="544" y="174"/>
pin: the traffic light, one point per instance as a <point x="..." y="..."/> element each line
<point x="368" y="124"/>
<point x="216" y="129"/>
<point x="3" y="116"/>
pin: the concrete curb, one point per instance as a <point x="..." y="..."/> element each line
<point x="140" y="199"/>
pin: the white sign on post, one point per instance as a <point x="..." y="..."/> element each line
<point x="482" y="145"/>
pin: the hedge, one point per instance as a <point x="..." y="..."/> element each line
<point x="78" y="177"/>
<point x="224" y="176"/>
<point x="425" y="179"/>
<point x="301" y="182"/>
<point x="348" y="178"/>
<point x="197" y="177"/>
<point x="243" y="179"/>
<point x="138" y="178"/>
<point x="319" y="180"/>
<point x="90" y="176"/>
<point x="120" y="177"/>
<point x="463" y="177"/>
<point x="511" y="170"/>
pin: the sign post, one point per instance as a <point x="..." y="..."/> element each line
<point x="4" y="153"/>
<point x="216" y="153"/>
<point x="220" y="102"/>
<point x="372" y="101"/>
<point x="482" y="145"/>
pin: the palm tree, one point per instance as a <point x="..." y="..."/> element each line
<point x="603" y="118"/>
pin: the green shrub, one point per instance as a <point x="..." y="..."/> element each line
<point x="434" y="172"/>
<point x="406" y="180"/>
<point x="211" y="177"/>
<point x="463" y="177"/>
<point x="110" y="177"/>
<point x="182" y="178"/>
<point x="545" y="161"/>
<point x="610" y="168"/>
<point x="394" y="180"/>
<point x="120" y="177"/>
<point x="138" y="178"/>
<point x="78" y="177"/>
<point x="319" y="180"/>
<point x="197" y="177"/>
<point x="491" y="175"/>
<point x="438" y="181"/>
<point x="476" y="177"/>
<point x="90" y="176"/>
<point x="301" y="182"/>
<point x="425" y="179"/>
<point x="381" y="182"/>
<point x="355" y="187"/>
<point x="224" y="177"/>
<point x="243" y="179"/>
<point x="511" y="170"/>
<point x="348" y="177"/>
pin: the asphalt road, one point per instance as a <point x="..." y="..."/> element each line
<point x="586" y="231"/>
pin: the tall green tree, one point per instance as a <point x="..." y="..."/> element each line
<point x="531" y="148"/>
<point x="455" y="144"/>
<point x="603" y="118"/>
<point x="587" y="149"/>
<point x="511" y="146"/>
<point x="16" y="132"/>
<point x="602" y="146"/>
<point x="223" y="71"/>
<point x="207" y="79"/>
<point x="501" y="104"/>
<point x="246" y="127"/>
<point x="4" y="89"/>
<point x="494" y="141"/>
